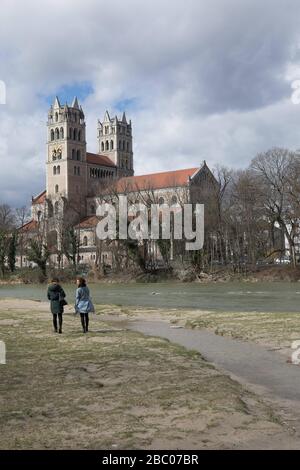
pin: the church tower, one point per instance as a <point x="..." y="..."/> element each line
<point x="115" y="142"/>
<point x="66" y="161"/>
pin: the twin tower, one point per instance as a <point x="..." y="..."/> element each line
<point x="71" y="169"/>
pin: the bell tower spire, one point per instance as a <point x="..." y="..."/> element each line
<point x="66" y="157"/>
<point x="115" y="142"/>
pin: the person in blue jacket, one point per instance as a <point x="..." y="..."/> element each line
<point x="83" y="303"/>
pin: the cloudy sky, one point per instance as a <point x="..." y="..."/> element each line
<point x="200" y="79"/>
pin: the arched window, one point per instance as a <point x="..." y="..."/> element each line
<point x="73" y="154"/>
<point x="123" y="144"/>
<point x="54" y="170"/>
<point x="70" y="133"/>
<point x="56" y="117"/>
<point x="78" y="155"/>
<point x="61" y="133"/>
<point x="127" y="146"/>
<point x="56" y="188"/>
<point x="52" y="134"/>
<point x="57" y="133"/>
<point x="102" y="146"/>
<point x="120" y="144"/>
<point x="85" y="241"/>
<point x="92" y="209"/>
<point x="174" y="200"/>
<point x="79" y="136"/>
<point x="78" y="170"/>
<point x="161" y="200"/>
<point x="75" y="170"/>
<point x="75" y="134"/>
<point x="58" y="170"/>
<point x="56" y="208"/>
<point x="107" y="145"/>
<point x="111" y="145"/>
<point x="39" y="214"/>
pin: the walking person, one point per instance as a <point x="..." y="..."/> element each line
<point x="56" y="295"/>
<point x="83" y="303"/>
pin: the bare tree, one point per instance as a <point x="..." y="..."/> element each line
<point x="273" y="170"/>
<point x="22" y="216"/>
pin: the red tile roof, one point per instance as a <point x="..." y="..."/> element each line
<point x="167" y="179"/>
<point x="88" y="222"/>
<point x="30" y="226"/>
<point x="95" y="159"/>
<point x="40" y="198"/>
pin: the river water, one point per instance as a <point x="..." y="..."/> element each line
<point x="233" y="296"/>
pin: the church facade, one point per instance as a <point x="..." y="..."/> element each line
<point x="78" y="181"/>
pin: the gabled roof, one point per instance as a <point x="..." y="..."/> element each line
<point x="56" y="103"/>
<point x="75" y="103"/>
<point x="167" y="179"/>
<point x="88" y="222"/>
<point x="96" y="159"/>
<point x="106" y="117"/>
<point x="30" y="226"/>
<point x="40" y="198"/>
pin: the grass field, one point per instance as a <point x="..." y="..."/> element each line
<point x="117" y="389"/>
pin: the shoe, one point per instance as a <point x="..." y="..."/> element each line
<point x="60" y="332"/>
<point x="54" y="331"/>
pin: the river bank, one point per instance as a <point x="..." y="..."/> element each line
<point x="274" y="331"/>
<point x="269" y="273"/>
<point x="115" y="388"/>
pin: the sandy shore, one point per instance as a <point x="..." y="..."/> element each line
<point x="118" y="389"/>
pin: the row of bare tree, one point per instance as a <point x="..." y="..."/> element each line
<point x="254" y="214"/>
<point x="251" y="216"/>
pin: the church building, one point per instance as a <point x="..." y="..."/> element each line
<point x="77" y="181"/>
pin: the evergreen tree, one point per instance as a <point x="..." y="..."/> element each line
<point x="12" y="250"/>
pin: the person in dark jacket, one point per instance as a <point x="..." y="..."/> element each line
<point x="83" y="303"/>
<point x="56" y="295"/>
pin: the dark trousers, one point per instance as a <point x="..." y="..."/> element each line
<point x="60" y="321"/>
<point x="85" y="321"/>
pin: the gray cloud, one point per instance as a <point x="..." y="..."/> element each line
<point x="208" y="79"/>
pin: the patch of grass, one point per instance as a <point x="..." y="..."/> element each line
<point x="119" y="388"/>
